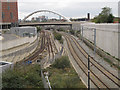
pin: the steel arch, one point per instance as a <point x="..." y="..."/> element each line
<point x="46" y="11"/>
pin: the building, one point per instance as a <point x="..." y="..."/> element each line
<point x="43" y="18"/>
<point x="39" y="19"/>
<point x="24" y="31"/>
<point x="9" y="11"/>
<point x="33" y="19"/>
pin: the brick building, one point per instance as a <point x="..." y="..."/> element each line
<point x="9" y="11"/>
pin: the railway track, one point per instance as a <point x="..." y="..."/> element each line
<point x="102" y="69"/>
<point x="98" y="82"/>
<point x="39" y="50"/>
<point x="45" y="43"/>
<point x="51" y="47"/>
<point x="108" y="74"/>
<point x="52" y="41"/>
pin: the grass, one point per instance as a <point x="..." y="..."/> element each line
<point x="107" y="60"/>
<point x="62" y="75"/>
<point x="28" y="76"/>
<point x="111" y="63"/>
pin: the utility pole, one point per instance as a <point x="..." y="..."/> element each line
<point x="94" y="41"/>
<point x="88" y="72"/>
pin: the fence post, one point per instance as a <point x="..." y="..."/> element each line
<point x="94" y="40"/>
<point x="88" y="72"/>
<point x="82" y="33"/>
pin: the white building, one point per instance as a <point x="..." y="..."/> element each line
<point x="24" y="31"/>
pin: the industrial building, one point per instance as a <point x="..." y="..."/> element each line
<point x="24" y="31"/>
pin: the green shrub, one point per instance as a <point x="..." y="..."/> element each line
<point x="12" y="79"/>
<point x="61" y="41"/>
<point x="72" y="32"/>
<point x="22" y="77"/>
<point x="60" y="29"/>
<point x="58" y="37"/>
<point x="63" y="75"/>
<point x="39" y="29"/>
<point x="61" y="63"/>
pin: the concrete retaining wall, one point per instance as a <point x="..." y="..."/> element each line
<point x="17" y="42"/>
<point x="106" y="36"/>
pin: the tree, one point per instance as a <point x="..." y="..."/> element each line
<point x="105" y="16"/>
<point x="110" y="19"/>
<point x="106" y="11"/>
<point x="72" y="32"/>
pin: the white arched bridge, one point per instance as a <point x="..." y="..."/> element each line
<point x="45" y="11"/>
<point x="67" y="23"/>
<point x="24" y="23"/>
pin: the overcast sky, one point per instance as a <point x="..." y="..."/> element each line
<point x="67" y="8"/>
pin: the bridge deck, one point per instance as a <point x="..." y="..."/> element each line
<point x="46" y="23"/>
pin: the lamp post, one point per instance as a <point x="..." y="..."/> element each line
<point x="88" y="72"/>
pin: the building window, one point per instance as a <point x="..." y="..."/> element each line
<point x="3" y="15"/>
<point x="11" y="15"/>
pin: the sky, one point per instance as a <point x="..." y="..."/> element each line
<point x="67" y="8"/>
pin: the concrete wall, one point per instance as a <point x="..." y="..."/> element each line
<point x="19" y="53"/>
<point x="17" y="42"/>
<point x="76" y="26"/>
<point x="106" y="36"/>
